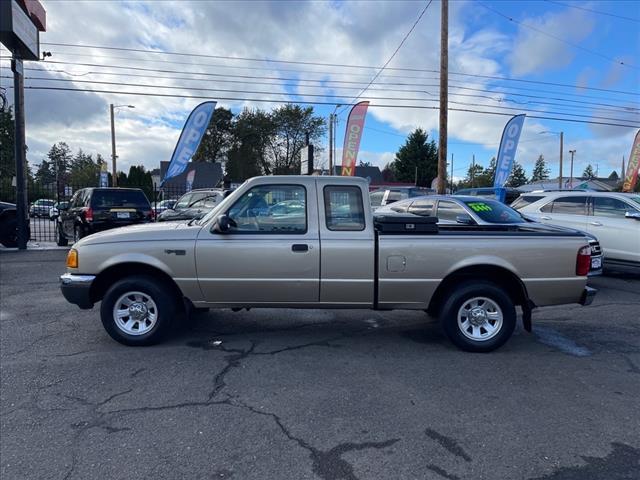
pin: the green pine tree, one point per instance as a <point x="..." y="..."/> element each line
<point x="540" y="170"/>
<point x="417" y="160"/>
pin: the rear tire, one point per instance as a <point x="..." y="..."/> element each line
<point x="10" y="238"/>
<point x="151" y="310"/>
<point x="61" y="240"/>
<point x="478" y="316"/>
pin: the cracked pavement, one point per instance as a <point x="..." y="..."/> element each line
<point x="329" y="395"/>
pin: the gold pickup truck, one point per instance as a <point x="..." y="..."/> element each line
<point x="312" y="242"/>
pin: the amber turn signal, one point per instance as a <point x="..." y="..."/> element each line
<point x="72" y="258"/>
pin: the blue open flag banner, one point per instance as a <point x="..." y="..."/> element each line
<point x="190" y="138"/>
<point x="507" y="151"/>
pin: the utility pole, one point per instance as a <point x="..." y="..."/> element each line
<point x="473" y="170"/>
<point x="451" y="186"/>
<point x="444" y="78"/>
<point x="572" y="152"/>
<point x="19" y="149"/>
<point x="561" y="148"/>
<point x="331" y="144"/>
<point x="114" y="179"/>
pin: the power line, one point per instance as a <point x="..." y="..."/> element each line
<point x="325" y="64"/>
<point x="595" y="11"/>
<point x="322" y="81"/>
<point x="315" y="95"/>
<point x="392" y="55"/>
<point x="307" y="102"/>
<point x="555" y="37"/>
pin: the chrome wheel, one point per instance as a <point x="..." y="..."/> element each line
<point x="480" y="319"/>
<point x="135" y="313"/>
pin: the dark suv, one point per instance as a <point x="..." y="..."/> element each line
<point x="95" y="209"/>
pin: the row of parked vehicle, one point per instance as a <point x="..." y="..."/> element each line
<point x="610" y="219"/>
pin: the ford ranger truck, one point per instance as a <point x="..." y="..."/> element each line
<point x="311" y="242"/>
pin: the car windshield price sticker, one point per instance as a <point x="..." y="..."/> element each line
<point x="479" y="207"/>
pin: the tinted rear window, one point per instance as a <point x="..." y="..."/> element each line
<point x="119" y="198"/>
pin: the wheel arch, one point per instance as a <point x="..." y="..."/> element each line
<point x="105" y="279"/>
<point x="498" y="275"/>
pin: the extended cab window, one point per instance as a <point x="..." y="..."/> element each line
<point x="567" y="206"/>
<point x="270" y="209"/>
<point x="343" y="208"/>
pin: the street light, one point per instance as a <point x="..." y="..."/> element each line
<point x="333" y="125"/>
<point x="112" y="108"/>
<point x="561" y="142"/>
<point x="572" y="152"/>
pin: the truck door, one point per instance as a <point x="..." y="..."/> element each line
<point x="271" y="254"/>
<point x="347" y="237"/>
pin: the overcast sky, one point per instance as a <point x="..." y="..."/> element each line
<point x="482" y="43"/>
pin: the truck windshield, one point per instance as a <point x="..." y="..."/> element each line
<point x="492" y="211"/>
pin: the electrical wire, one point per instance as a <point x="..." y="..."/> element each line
<point x="325" y="64"/>
<point x="555" y="37"/>
<point x="599" y="12"/>
<point x="404" y="39"/>
<point x="306" y="102"/>
<point x="324" y="95"/>
<point x="321" y="81"/>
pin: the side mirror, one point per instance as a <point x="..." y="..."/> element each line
<point x="222" y="224"/>
<point x="465" y="220"/>
<point x="634" y="215"/>
<point x="63" y="207"/>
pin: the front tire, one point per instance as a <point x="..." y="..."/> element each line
<point x="478" y="316"/>
<point x="138" y="311"/>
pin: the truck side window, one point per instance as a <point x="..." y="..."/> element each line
<point x="343" y="208"/>
<point x="271" y="209"/>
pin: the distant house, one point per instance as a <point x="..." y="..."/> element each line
<point x="595" y="184"/>
<point x="207" y="175"/>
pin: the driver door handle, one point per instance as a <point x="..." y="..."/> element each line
<point x="299" y="247"/>
<point x="544" y="217"/>
<point x="596" y="224"/>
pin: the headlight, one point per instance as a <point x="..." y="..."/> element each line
<point x="72" y="258"/>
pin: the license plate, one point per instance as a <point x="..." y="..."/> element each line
<point x="122" y="215"/>
<point x="596" y="263"/>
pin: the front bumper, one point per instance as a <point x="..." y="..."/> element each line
<point x="76" y="289"/>
<point x="587" y="296"/>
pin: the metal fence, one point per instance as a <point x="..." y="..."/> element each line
<point x="42" y="197"/>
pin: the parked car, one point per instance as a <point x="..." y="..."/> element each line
<point x="490" y="192"/>
<point x="9" y="225"/>
<point x="93" y="210"/>
<point x="55" y="210"/>
<point x="612" y="217"/>
<point x="331" y="254"/>
<point x="164" y="205"/>
<point x="380" y="198"/>
<point x="41" y="207"/>
<point x="193" y="205"/>
<point x="484" y="213"/>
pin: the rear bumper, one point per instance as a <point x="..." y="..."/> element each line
<point x="587" y="296"/>
<point x="76" y="289"/>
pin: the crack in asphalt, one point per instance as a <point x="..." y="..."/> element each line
<point x="623" y="463"/>
<point x="327" y="464"/>
<point x="441" y="471"/>
<point x="233" y="361"/>
<point x="450" y="444"/>
<point x="633" y="368"/>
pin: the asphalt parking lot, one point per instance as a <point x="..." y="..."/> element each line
<point x="283" y="394"/>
